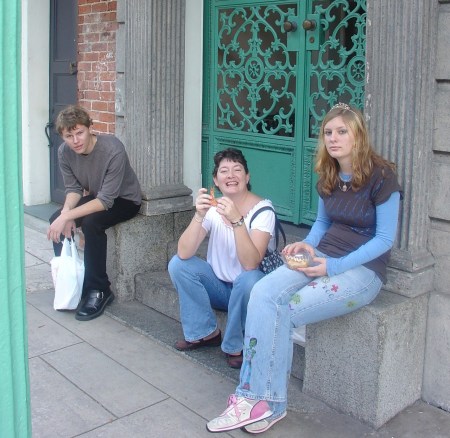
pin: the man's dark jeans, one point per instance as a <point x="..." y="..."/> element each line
<point x="93" y="227"/>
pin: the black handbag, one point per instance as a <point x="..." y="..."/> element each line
<point x="272" y="259"/>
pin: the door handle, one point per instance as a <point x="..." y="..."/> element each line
<point x="290" y="26"/>
<point x="48" y="126"/>
<point x="73" y="68"/>
<point x="309" y="25"/>
<point x="314" y="31"/>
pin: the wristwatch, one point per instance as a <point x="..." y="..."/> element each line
<point x="238" y="223"/>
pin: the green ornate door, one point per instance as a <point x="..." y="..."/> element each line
<point x="272" y="69"/>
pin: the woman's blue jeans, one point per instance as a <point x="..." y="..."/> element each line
<point x="200" y="291"/>
<point x="285" y="299"/>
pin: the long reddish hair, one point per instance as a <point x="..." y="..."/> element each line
<point x="364" y="158"/>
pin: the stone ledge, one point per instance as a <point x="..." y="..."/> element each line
<point x="369" y="363"/>
<point x="142" y="244"/>
<point x="155" y="290"/>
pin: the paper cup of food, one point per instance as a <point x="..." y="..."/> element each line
<point x="301" y="259"/>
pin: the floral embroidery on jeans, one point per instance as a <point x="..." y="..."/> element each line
<point x="246" y="371"/>
<point x="296" y="299"/>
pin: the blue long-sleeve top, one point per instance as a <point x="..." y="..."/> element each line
<point x="358" y="227"/>
<point x="387" y="217"/>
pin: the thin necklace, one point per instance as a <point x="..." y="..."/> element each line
<point x="346" y="184"/>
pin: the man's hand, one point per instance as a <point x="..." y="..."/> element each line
<point x="60" y="226"/>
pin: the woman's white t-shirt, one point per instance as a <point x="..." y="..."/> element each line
<point x="221" y="253"/>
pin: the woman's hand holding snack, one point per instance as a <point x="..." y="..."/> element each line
<point x="300" y="256"/>
<point x="212" y="197"/>
<point x="227" y="208"/>
<point x="202" y="202"/>
<point x="317" y="269"/>
<point x="296" y="247"/>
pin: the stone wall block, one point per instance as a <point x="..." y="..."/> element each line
<point x="155" y="290"/>
<point x="409" y="284"/>
<point x="166" y="205"/>
<point x="436" y="383"/>
<point x="369" y="363"/>
<point x="443" y="43"/>
<point x="439" y="243"/>
<point x="182" y="220"/>
<point x="138" y="245"/>
<point x="441" y="119"/>
<point x="440" y="196"/>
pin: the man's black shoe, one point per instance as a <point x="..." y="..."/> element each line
<point x="94" y="304"/>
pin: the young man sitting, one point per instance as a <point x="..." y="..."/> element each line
<point x="102" y="190"/>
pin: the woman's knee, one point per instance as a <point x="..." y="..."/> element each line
<point x="261" y="292"/>
<point x="239" y="297"/>
<point x="178" y="266"/>
<point x="276" y="288"/>
<point x="247" y="279"/>
<point x="174" y="265"/>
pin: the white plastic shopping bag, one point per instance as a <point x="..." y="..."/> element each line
<point x="68" y="277"/>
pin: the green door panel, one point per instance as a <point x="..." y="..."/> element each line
<point x="271" y="72"/>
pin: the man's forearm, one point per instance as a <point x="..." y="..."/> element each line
<point x="83" y="210"/>
<point x="71" y="201"/>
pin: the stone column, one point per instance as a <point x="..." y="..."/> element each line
<point x="149" y="120"/>
<point x="399" y="93"/>
<point x="149" y="99"/>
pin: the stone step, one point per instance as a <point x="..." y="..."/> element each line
<point x="155" y="290"/>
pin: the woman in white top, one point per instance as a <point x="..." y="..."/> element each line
<point x="225" y="279"/>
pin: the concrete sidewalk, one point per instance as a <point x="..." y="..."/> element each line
<point x="102" y="379"/>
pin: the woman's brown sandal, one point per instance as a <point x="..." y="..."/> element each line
<point x="184" y="345"/>
<point x="234" y="361"/>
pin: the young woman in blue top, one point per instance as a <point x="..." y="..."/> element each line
<point x="350" y="244"/>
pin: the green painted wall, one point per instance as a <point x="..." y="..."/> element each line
<point x="14" y="382"/>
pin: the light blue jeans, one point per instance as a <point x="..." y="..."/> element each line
<point x="285" y="299"/>
<point x="200" y="291"/>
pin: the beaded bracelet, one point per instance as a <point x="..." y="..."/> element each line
<point x="238" y="223"/>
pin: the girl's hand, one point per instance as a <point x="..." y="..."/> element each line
<point x="296" y="247"/>
<point x="318" y="268"/>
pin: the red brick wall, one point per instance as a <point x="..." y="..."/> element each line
<point x="97" y="28"/>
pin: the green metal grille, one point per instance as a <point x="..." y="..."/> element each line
<point x="337" y="69"/>
<point x="256" y="76"/>
<point x="269" y="83"/>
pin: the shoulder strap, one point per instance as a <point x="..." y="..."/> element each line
<point x="278" y="227"/>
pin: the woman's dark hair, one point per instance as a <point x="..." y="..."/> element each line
<point x="231" y="154"/>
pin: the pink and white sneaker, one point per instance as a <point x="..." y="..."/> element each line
<point x="263" y="425"/>
<point x="240" y="412"/>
